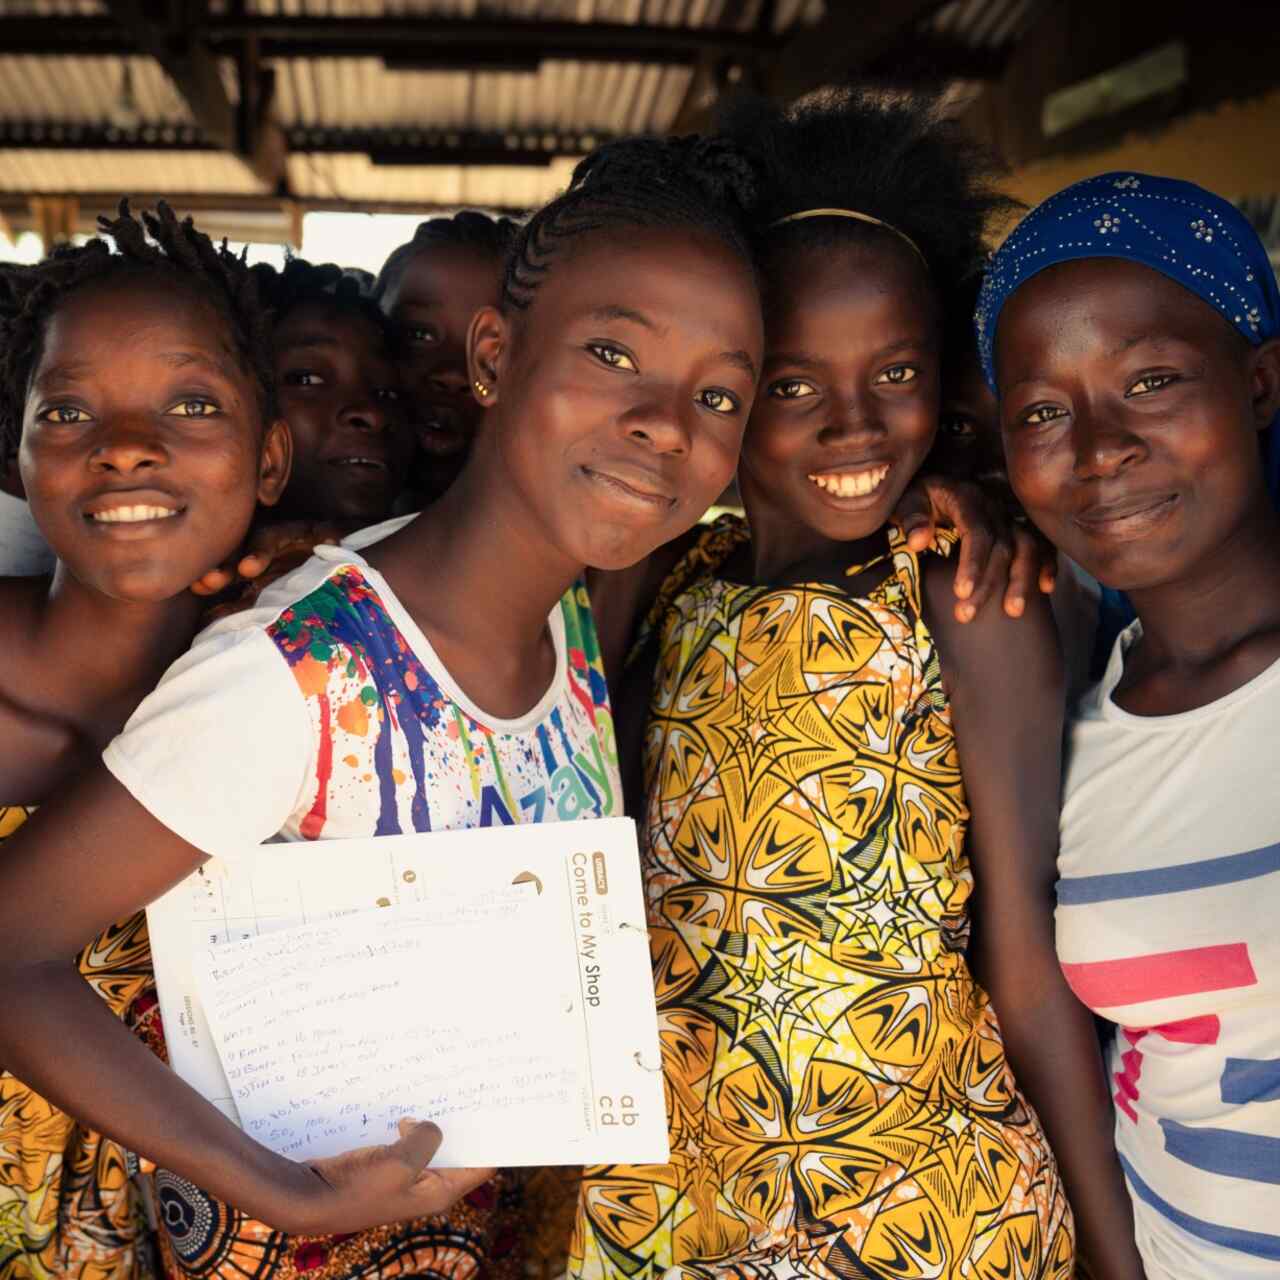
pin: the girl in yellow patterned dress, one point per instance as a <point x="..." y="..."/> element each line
<point x="143" y="468"/>
<point x="829" y="752"/>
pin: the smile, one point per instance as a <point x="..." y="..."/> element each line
<point x="134" y="514"/>
<point x="1127" y="518"/>
<point x="358" y="461"/>
<point x="633" y="489"/>
<point x="854" y="483"/>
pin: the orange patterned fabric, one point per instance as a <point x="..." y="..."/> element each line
<point x="69" y="1205"/>
<point x="840" y="1104"/>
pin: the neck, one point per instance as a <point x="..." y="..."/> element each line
<point x="779" y="545"/>
<point x="477" y="564"/>
<point x="129" y="646"/>
<point x="1211" y="609"/>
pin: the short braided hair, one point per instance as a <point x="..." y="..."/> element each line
<point x="892" y="156"/>
<point x="300" y="281"/>
<point x="176" y="251"/>
<point x="703" y="183"/>
<point x="488" y="233"/>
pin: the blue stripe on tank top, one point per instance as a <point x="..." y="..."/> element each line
<point x="1077" y="891"/>
<point x="1248" y="1156"/>
<point x="1251" y="1080"/>
<point x="1257" y="1244"/>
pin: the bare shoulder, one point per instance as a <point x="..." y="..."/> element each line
<point x="1008" y="656"/>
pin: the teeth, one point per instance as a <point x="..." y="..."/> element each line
<point x="361" y="462"/>
<point x="132" y="515"/>
<point x="850" y="484"/>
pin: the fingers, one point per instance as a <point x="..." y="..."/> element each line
<point x="987" y="584"/>
<point x="915" y="515"/>
<point x="976" y="550"/>
<point x="436" y="1189"/>
<point x="419" y="1141"/>
<point x="212" y="582"/>
<point x="1024" y="572"/>
<point x="253" y="564"/>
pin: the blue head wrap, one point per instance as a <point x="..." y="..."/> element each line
<point x="1177" y="228"/>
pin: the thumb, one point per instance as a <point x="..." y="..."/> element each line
<point x="419" y="1141"/>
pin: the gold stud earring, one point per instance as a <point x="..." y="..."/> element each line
<point x="481" y="390"/>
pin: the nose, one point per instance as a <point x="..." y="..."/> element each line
<point x="126" y="448"/>
<point x="658" y="424"/>
<point x="1103" y="445"/>
<point x="365" y="414"/>
<point x="852" y="415"/>
<point x="450" y="380"/>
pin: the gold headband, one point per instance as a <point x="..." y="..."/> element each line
<point x="860" y="217"/>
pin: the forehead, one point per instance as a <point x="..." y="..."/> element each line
<point x="682" y="280"/>
<point x="319" y="318"/>
<point x="1104" y="303"/>
<point x="466" y="274"/>
<point x="874" y="279"/>
<point x="137" y="315"/>
<point x="142" y="296"/>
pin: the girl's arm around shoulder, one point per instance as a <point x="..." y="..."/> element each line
<point x="1004" y="678"/>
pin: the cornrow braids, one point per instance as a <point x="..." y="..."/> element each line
<point x="704" y="183"/>
<point x="468" y="229"/>
<point x="300" y="281"/>
<point x="892" y="156"/>
<point x="29" y="295"/>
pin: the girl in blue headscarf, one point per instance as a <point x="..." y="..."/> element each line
<point x="1129" y="327"/>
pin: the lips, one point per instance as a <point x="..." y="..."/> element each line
<point x="632" y="484"/>
<point x="1127" y="512"/>
<point x="853" y="480"/>
<point x="441" y="430"/>
<point x="358" y="460"/>
<point x="132" y="507"/>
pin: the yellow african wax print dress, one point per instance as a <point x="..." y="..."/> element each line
<point x="69" y="1206"/>
<point x="839" y="1100"/>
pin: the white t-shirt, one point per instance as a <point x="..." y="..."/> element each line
<point x="1168" y="924"/>
<point x="23" y="551"/>
<point x="325" y="712"/>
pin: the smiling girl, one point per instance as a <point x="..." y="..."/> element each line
<point x="435" y="672"/>
<point x="1132" y="326"/>
<point x="132" y="387"/>
<point x="837" y="769"/>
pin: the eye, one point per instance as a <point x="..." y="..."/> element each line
<point x="898" y="374"/>
<point x="421" y="333"/>
<point x="792" y="389"/>
<point x="718" y="401"/>
<point x="613" y="356"/>
<point x="63" y="415"/>
<point x="1040" y="414"/>
<point x="1150" y="382"/>
<point x="387" y="394"/>
<point x="196" y="407"/>
<point x="303" y="378"/>
<point x="958" y="427"/>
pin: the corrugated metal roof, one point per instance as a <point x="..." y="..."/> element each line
<point x="190" y="172"/>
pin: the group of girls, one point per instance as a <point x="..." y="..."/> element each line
<point x="845" y="758"/>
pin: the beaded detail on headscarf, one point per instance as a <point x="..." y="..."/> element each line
<point x="1177" y="228"/>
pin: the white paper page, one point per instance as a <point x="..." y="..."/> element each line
<point x="585" y="879"/>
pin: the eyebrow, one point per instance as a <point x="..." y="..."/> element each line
<point x="740" y="360"/>
<point x="308" y="340"/>
<point x="606" y="314"/>
<point x="71" y="370"/>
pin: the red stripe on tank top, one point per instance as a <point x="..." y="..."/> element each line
<point x="1106" y="984"/>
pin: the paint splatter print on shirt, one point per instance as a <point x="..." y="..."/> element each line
<point x="386" y="722"/>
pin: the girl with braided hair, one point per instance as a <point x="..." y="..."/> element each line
<point x="429" y="288"/>
<point x="839" y="758"/>
<point x="457" y="652"/>
<point x="132" y="389"/>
